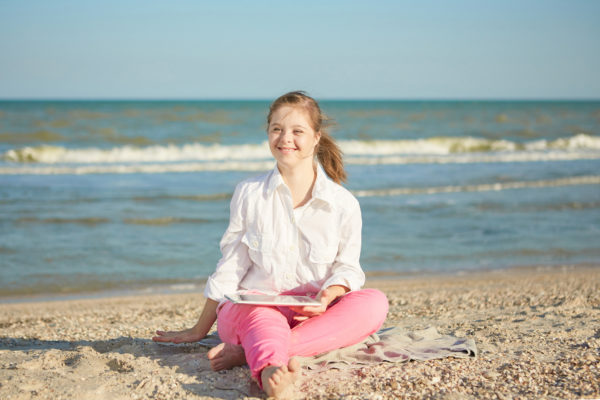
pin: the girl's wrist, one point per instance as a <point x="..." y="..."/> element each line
<point x="339" y="290"/>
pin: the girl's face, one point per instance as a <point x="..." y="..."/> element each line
<point x="292" y="139"/>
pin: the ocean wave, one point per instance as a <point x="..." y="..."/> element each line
<point x="126" y="154"/>
<point x="382" y="192"/>
<point x="398" y="150"/>
<point x="485" y="187"/>
<point x="157" y="168"/>
<point x="460" y="145"/>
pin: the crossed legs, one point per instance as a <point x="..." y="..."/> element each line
<point x="267" y="337"/>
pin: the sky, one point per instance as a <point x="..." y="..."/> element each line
<point x="193" y="49"/>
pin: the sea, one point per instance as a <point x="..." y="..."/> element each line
<point x="133" y="196"/>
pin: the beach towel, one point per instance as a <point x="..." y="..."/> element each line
<point x="394" y="345"/>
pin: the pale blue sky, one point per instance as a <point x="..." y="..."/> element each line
<point x="537" y="49"/>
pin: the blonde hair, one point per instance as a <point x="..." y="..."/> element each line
<point x="327" y="151"/>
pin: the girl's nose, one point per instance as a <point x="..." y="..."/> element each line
<point x="287" y="136"/>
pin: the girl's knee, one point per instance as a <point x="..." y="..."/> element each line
<point x="372" y="304"/>
<point x="379" y="304"/>
<point x="373" y="298"/>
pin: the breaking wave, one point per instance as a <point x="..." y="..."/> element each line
<point x="255" y="157"/>
<point x="485" y="187"/>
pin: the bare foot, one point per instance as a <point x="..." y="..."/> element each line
<point x="278" y="381"/>
<point x="226" y="356"/>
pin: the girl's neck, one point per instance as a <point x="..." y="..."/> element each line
<point x="300" y="181"/>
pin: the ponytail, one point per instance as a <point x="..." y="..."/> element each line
<point x="327" y="151"/>
<point x="330" y="157"/>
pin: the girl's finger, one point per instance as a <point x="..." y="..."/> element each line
<point x="315" y="309"/>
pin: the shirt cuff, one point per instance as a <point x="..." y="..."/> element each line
<point x="213" y="291"/>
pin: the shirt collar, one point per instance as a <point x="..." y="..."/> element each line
<point x="275" y="180"/>
<point x="322" y="189"/>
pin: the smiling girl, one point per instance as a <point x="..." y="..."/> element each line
<point x="294" y="230"/>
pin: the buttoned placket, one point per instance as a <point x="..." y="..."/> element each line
<point x="293" y="237"/>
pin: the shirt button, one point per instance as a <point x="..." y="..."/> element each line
<point x="287" y="276"/>
<point x="255" y="243"/>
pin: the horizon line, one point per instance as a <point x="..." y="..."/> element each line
<point x="268" y="99"/>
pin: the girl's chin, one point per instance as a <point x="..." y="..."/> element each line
<point x="281" y="155"/>
<point x="291" y="159"/>
<point x="289" y="162"/>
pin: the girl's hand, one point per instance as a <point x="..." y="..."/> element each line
<point x="326" y="296"/>
<point x="184" y="336"/>
<point x="195" y="333"/>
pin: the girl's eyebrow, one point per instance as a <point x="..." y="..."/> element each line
<point x="293" y="126"/>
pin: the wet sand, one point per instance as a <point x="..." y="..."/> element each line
<point x="537" y="332"/>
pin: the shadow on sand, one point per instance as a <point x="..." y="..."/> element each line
<point x="189" y="359"/>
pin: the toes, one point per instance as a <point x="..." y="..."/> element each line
<point x="278" y="381"/>
<point x="275" y="378"/>
<point x="218" y="364"/>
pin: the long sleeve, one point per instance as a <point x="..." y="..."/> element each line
<point x="346" y="267"/>
<point x="235" y="261"/>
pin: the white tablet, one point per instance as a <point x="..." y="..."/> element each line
<point x="272" y="300"/>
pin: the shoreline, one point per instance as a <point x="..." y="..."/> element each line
<point x="197" y="285"/>
<point x="537" y="331"/>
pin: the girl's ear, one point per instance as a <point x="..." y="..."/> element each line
<point x="318" y="137"/>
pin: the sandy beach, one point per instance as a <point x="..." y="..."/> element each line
<point x="537" y="331"/>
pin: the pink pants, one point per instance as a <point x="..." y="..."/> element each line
<point x="270" y="335"/>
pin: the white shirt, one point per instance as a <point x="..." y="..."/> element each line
<point x="273" y="248"/>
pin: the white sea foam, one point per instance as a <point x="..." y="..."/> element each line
<point x="256" y="157"/>
<point x="475" y="158"/>
<point x="126" y="154"/>
<point x="264" y="165"/>
<point x="486" y="187"/>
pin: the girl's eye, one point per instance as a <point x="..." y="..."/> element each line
<point x="276" y="129"/>
<point x="297" y="132"/>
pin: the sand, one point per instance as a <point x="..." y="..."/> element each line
<point x="537" y="331"/>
